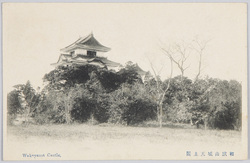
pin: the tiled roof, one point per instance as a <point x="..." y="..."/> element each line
<point x="88" y="43"/>
<point x="66" y="59"/>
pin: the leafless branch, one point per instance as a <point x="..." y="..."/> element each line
<point x="200" y="51"/>
<point x="184" y="50"/>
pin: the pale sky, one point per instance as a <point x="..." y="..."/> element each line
<point x="33" y="35"/>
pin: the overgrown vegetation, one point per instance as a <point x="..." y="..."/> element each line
<point x="88" y="93"/>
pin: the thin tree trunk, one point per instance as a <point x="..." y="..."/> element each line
<point x="199" y="69"/>
<point x="160" y="120"/>
<point x="158" y="114"/>
<point x="67" y="118"/>
<point x="67" y="111"/>
<point x="92" y="118"/>
<point x="205" y="122"/>
<point x="160" y="92"/>
<point x="191" y="121"/>
<point x="182" y="74"/>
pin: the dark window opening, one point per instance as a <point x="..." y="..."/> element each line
<point x="72" y="53"/>
<point x="91" y="53"/>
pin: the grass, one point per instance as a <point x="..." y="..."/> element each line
<point x="108" y="131"/>
<point x="112" y="141"/>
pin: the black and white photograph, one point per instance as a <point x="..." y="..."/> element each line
<point x="124" y="81"/>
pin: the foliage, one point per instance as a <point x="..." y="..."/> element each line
<point x="131" y="105"/>
<point x="78" y="94"/>
<point x="23" y="101"/>
<point x="65" y="77"/>
<point x="109" y="80"/>
<point x="212" y="102"/>
<point x="129" y="74"/>
<point x="51" y="108"/>
<point x="225" y="105"/>
<point x="140" y="110"/>
<point x="13" y="104"/>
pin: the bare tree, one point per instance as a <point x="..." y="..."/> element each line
<point x="199" y="47"/>
<point x="179" y="54"/>
<point x="160" y="91"/>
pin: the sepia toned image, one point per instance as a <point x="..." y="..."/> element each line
<point x="124" y="81"/>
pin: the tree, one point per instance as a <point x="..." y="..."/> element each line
<point x="216" y="103"/>
<point x="63" y="78"/>
<point x="225" y="104"/>
<point x="131" y="104"/>
<point x="13" y="105"/>
<point x="129" y="74"/>
<point x="96" y="82"/>
<point x="178" y="54"/>
<point x="199" y="47"/>
<point x="28" y="99"/>
<point x="160" y="91"/>
<point x="178" y="100"/>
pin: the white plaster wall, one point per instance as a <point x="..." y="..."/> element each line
<point x="81" y="51"/>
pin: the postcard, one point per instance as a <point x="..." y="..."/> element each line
<point x="124" y="81"/>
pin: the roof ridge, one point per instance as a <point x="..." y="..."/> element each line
<point x="89" y="42"/>
<point x="71" y="44"/>
<point x="84" y="39"/>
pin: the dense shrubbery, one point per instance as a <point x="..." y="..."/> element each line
<point x="13" y="105"/>
<point x="78" y="94"/>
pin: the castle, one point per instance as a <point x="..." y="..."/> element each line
<point x="84" y="51"/>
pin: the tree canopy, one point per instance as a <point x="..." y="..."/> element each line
<point x="89" y="93"/>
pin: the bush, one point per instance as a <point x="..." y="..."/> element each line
<point x="13" y="104"/>
<point x="101" y="114"/>
<point x="131" y="104"/>
<point x="88" y="92"/>
<point x="82" y="110"/>
<point x="138" y="111"/>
